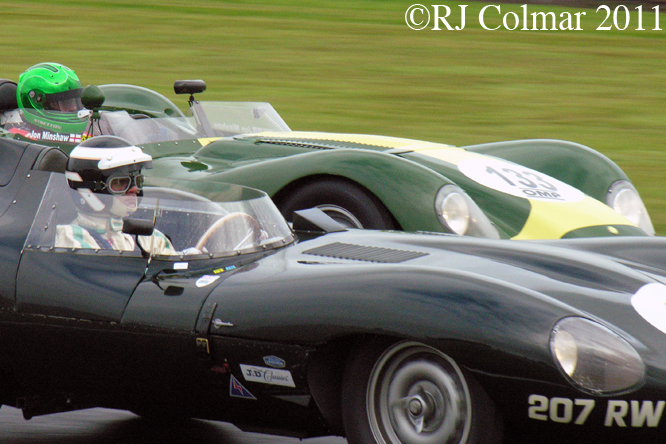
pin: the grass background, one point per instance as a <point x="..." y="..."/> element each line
<point x="355" y="66"/>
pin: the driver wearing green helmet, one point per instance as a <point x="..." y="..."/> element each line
<point x="49" y="101"/>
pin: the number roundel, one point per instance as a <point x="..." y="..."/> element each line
<point x="518" y="180"/>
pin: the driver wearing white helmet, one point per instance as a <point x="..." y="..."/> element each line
<point x="106" y="172"/>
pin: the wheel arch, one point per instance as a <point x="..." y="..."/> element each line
<point x="577" y="165"/>
<point x="505" y="344"/>
<point x="283" y="193"/>
<point x="326" y="371"/>
<point x="406" y="188"/>
<point x="324" y="374"/>
<point x="329" y="365"/>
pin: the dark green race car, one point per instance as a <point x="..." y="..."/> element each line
<point x="383" y="337"/>
<point x="529" y="189"/>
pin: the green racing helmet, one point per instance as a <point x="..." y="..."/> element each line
<point x="49" y="95"/>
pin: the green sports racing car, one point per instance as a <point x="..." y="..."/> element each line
<point x="527" y="189"/>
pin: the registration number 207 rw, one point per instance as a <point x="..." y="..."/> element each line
<point x="618" y="413"/>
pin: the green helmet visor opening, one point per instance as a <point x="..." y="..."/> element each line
<point x="66" y="101"/>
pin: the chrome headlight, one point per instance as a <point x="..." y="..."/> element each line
<point x="458" y="213"/>
<point x="623" y="198"/>
<point x="595" y="359"/>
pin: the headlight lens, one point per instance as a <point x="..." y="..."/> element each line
<point x="623" y="198"/>
<point x="455" y="212"/>
<point x="595" y="359"/>
<point x="458" y="213"/>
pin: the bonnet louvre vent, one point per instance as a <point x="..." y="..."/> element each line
<point x="339" y="250"/>
<point x="299" y="144"/>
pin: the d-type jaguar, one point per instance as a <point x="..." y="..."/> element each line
<point x="320" y="329"/>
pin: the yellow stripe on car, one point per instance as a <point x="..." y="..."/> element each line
<point x="556" y="208"/>
<point x="548" y="219"/>
<point x="207" y="140"/>
<point x="552" y="220"/>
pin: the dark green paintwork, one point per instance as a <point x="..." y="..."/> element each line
<point x="406" y="188"/>
<point x="111" y="331"/>
<point x="572" y="163"/>
<point x="403" y="181"/>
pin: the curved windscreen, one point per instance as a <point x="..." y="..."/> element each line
<point x="232" y="118"/>
<point x="203" y="120"/>
<point x="216" y="219"/>
<point x="171" y="220"/>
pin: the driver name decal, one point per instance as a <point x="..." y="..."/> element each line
<point x="267" y="375"/>
<point x="48" y="136"/>
<point x="518" y="180"/>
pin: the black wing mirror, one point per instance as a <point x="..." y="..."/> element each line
<point x="92" y="97"/>
<point x="192" y="87"/>
<point x="189" y="86"/>
<point x="138" y="227"/>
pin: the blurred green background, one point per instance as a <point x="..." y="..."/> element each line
<point x="355" y="66"/>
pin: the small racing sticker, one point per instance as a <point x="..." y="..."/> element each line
<point x="237" y="390"/>
<point x="518" y="180"/>
<point x="650" y="302"/>
<point x="267" y="375"/>
<point x="224" y="269"/>
<point x="274" y="361"/>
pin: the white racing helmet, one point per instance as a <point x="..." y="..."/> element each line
<point x="106" y="165"/>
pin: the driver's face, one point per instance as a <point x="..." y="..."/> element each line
<point x="125" y="204"/>
<point x="130" y="198"/>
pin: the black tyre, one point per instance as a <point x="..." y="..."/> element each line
<point x="411" y="393"/>
<point x="345" y="202"/>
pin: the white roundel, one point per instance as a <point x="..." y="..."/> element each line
<point x="518" y="180"/>
<point x="650" y="302"/>
<point x="206" y="280"/>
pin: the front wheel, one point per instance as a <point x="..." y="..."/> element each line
<point x="411" y="393"/>
<point x="347" y="203"/>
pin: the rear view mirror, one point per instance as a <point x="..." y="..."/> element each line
<point x="189" y="86"/>
<point x="139" y="227"/>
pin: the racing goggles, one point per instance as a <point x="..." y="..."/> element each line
<point x="122" y="184"/>
<point x="119" y="183"/>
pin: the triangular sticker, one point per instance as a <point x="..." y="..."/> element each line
<point x="237" y="390"/>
